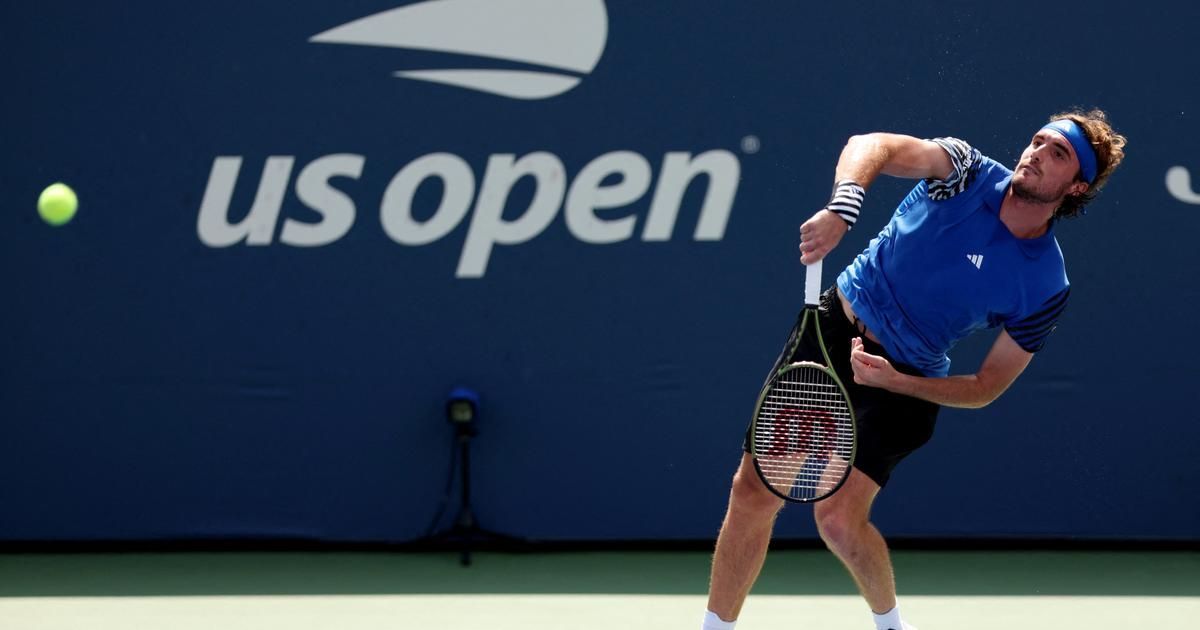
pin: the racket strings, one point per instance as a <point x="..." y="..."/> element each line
<point x="804" y="434"/>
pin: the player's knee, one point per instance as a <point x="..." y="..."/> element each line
<point x="750" y="495"/>
<point x="837" y="525"/>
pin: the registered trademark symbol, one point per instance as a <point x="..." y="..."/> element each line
<point x="751" y="144"/>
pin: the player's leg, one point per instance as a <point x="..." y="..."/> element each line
<point x="742" y="543"/>
<point x="843" y="521"/>
<point x="746" y="532"/>
<point x="890" y="427"/>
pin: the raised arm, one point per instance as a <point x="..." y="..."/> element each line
<point x="865" y="157"/>
<point x="862" y="160"/>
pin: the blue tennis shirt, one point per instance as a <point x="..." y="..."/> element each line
<point x="945" y="266"/>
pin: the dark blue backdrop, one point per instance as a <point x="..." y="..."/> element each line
<point x="152" y="386"/>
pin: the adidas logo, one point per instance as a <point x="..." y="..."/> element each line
<point x="564" y="38"/>
<point x="976" y="259"/>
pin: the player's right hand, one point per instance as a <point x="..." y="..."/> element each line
<point x="819" y="235"/>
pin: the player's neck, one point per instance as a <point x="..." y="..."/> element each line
<point x="1024" y="218"/>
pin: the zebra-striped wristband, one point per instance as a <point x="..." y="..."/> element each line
<point x="846" y="201"/>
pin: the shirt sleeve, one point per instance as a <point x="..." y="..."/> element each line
<point x="966" y="160"/>
<point x="1031" y="332"/>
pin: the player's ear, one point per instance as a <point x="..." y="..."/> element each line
<point x="1078" y="188"/>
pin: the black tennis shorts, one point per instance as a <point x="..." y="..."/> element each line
<point x="890" y="426"/>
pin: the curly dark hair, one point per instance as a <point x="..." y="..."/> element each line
<point x="1110" y="150"/>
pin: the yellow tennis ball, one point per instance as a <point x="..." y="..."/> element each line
<point x="57" y="204"/>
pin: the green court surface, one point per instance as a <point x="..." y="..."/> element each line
<point x="798" y="589"/>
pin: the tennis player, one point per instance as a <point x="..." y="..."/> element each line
<point x="971" y="247"/>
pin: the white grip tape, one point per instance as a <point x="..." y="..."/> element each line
<point x="812" y="284"/>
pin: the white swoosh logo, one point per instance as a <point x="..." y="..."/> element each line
<point x="559" y="34"/>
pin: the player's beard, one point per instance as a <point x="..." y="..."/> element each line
<point x="1026" y="192"/>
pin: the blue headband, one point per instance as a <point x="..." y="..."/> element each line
<point x="1079" y="142"/>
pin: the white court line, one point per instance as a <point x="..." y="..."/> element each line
<point x="584" y="612"/>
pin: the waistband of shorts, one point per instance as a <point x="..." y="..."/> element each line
<point x="841" y="326"/>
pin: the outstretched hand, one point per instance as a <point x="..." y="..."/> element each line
<point x="819" y="235"/>
<point x="869" y="369"/>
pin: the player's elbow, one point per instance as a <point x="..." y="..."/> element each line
<point x="979" y="403"/>
<point x="986" y="393"/>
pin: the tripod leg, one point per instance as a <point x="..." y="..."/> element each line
<point x="466" y="521"/>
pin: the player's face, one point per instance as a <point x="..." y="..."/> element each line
<point x="1048" y="169"/>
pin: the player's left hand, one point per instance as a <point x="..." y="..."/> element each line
<point x="869" y="369"/>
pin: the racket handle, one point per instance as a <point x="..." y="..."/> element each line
<point x="812" y="284"/>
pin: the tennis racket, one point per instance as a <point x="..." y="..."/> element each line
<point x="802" y="438"/>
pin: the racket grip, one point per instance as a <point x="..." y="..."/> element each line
<point x="812" y="284"/>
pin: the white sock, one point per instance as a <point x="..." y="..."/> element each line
<point x="891" y="620"/>
<point x="713" y="622"/>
